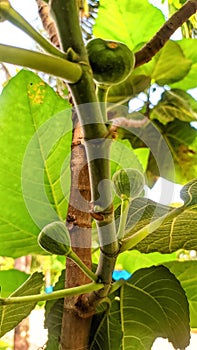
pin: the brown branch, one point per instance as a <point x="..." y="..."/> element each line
<point x="5" y="70"/>
<point x="48" y="23"/>
<point x="162" y="36"/>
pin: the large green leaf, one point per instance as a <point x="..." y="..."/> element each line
<point x="150" y="304"/>
<point x="162" y="70"/>
<point x="189" y="193"/>
<point x="124" y="17"/>
<point x="123" y="156"/>
<point x="189" y="49"/>
<point x="31" y="170"/>
<point x="181" y="138"/>
<point x="10" y="280"/>
<point x="165" y="71"/>
<point x="175" y="104"/>
<point x="133" y="260"/>
<point x="13" y="314"/>
<point x="163" y="234"/>
<point x="185" y="272"/>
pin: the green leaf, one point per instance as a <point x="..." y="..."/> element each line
<point x="175" y="104"/>
<point x="10" y="280"/>
<point x="31" y="170"/>
<point x="142" y="155"/>
<point x="131" y="87"/>
<point x="181" y="138"/>
<point x="150" y="304"/>
<point x="189" y="48"/>
<point x="53" y="316"/>
<point x="123" y="156"/>
<point x="123" y="17"/>
<point x="185" y="272"/>
<point x="165" y="71"/>
<point x="103" y="334"/>
<point x="168" y="235"/>
<point x="189" y="81"/>
<point x="11" y="315"/>
<point x="189" y="193"/>
<point x="133" y="260"/>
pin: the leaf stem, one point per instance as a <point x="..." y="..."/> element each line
<point x="87" y="288"/>
<point x="82" y="266"/>
<point x="10" y="14"/>
<point x="102" y="93"/>
<point x="123" y="217"/>
<point x="116" y="285"/>
<point x="56" y="66"/>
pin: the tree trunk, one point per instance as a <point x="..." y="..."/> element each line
<point x="75" y="329"/>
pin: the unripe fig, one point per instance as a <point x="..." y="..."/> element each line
<point x="55" y="239"/>
<point x="128" y="183"/>
<point x="111" y="61"/>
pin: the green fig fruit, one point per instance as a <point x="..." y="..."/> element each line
<point x="55" y="239"/>
<point x="111" y="61"/>
<point x="128" y="183"/>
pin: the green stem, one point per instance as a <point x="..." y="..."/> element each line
<point x="87" y="288"/>
<point x="102" y="92"/>
<point x="16" y="19"/>
<point x="95" y="131"/>
<point x="82" y="266"/>
<point x="132" y="241"/>
<point x="56" y="66"/>
<point x="66" y="17"/>
<point x="123" y="217"/>
<point x="116" y="285"/>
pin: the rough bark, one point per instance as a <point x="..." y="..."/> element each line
<point x="79" y="225"/>
<point x="78" y="222"/>
<point x="48" y="23"/>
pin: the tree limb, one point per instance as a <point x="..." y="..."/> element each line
<point x="162" y="36"/>
<point x="48" y="23"/>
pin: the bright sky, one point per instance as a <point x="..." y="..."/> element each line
<point x="11" y="35"/>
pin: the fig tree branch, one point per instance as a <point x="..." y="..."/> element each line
<point x="162" y="36"/>
<point x="48" y="23"/>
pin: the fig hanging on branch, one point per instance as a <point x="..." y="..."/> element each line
<point x="111" y="61"/>
<point x="55" y="239"/>
<point x="128" y="183"/>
